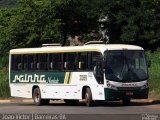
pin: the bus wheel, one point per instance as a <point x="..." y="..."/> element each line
<point x="37" y="98"/>
<point x="88" y="97"/>
<point x="126" y="101"/>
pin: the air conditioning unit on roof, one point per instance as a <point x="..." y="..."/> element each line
<point x="94" y="42"/>
<point x="51" y="45"/>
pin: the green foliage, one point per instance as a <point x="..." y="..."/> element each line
<point x="154" y="72"/>
<point x="4" y="62"/>
<point x="32" y="23"/>
<point x="77" y="17"/>
<point x="6" y="16"/>
<point x="39" y="23"/>
<point x="7" y="3"/>
<point x="4" y="84"/>
<point x="4" y="79"/>
<point x="133" y="22"/>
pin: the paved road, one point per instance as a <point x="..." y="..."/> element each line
<point x="101" y="111"/>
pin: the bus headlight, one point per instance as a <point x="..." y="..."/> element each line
<point x="111" y="86"/>
<point x="114" y="87"/>
<point x="144" y="86"/>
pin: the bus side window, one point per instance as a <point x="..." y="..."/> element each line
<point x="87" y="60"/>
<point x="41" y="62"/>
<point x="79" y="66"/>
<point x="83" y="60"/>
<point x="12" y="62"/>
<point x="71" y="61"/>
<point x="25" y="60"/>
<point x="58" y="61"/>
<point x="31" y="62"/>
<point x="64" y="58"/>
<point x="38" y="66"/>
<point x="19" y="66"/>
<point x="95" y="56"/>
<point x="54" y="61"/>
<point x="18" y="62"/>
<point x="51" y="65"/>
<point x="50" y="62"/>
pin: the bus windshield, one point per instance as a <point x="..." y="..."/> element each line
<point x="125" y="66"/>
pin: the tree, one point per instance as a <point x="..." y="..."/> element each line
<point x="34" y="22"/>
<point x="156" y="24"/>
<point x="133" y="22"/>
<point x="30" y="24"/>
<point x="7" y="3"/>
<point x="5" y="16"/>
<point x="77" y="17"/>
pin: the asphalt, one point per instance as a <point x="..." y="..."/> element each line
<point x="15" y="100"/>
<point x="22" y="100"/>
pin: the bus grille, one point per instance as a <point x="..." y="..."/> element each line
<point x="128" y="88"/>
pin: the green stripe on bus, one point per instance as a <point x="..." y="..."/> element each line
<point x="37" y="77"/>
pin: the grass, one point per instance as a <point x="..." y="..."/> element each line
<point x="4" y="83"/>
<point x="4" y="80"/>
<point x="154" y="75"/>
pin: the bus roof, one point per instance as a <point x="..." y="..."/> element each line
<point x="98" y="47"/>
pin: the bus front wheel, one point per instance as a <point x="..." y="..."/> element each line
<point x="37" y="98"/>
<point x="88" y="97"/>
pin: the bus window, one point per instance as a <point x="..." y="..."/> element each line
<point x="17" y="62"/>
<point x="31" y="62"/>
<point x="41" y="61"/>
<point x="71" y="61"/>
<point x="50" y="62"/>
<point x="95" y="57"/>
<point x="12" y="63"/>
<point x="25" y="62"/>
<point x="83" y="61"/>
<point x="54" y="61"/>
<point x="87" y="60"/>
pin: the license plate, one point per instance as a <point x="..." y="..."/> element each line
<point x="129" y="93"/>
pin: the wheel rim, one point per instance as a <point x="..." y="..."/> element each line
<point x="87" y="100"/>
<point x="37" y="97"/>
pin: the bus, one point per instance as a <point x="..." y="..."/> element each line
<point x="91" y="72"/>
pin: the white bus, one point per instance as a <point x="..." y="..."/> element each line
<point x="92" y="72"/>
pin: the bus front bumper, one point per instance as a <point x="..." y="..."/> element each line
<point x="111" y="95"/>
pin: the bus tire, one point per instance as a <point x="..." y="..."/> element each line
<point x="37" y="98"/>
<point x="88" y="97"/>
<point x="126" y="102"/>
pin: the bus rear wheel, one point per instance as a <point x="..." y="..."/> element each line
<point x="37" y="98"/>
<point x="88" y="97"/>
